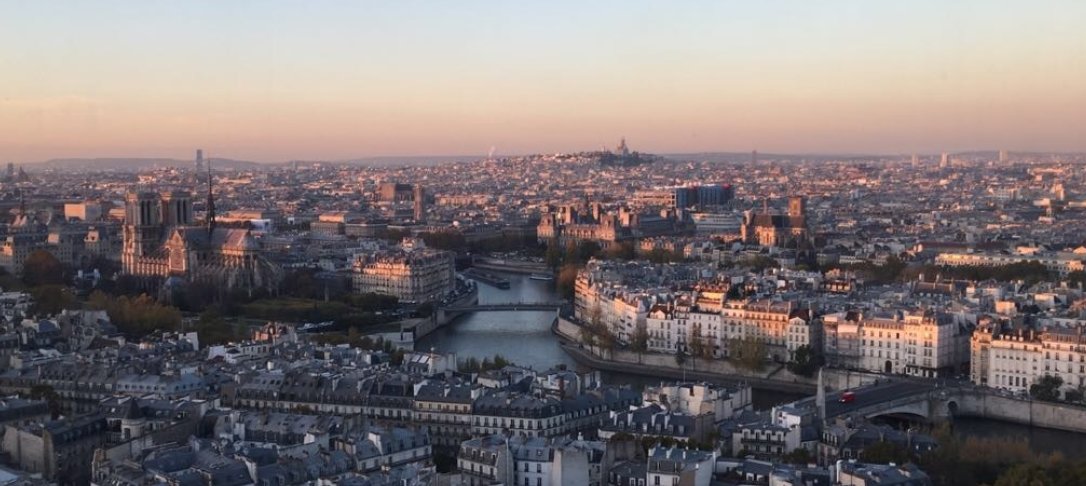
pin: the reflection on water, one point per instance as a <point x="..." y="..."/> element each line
<point x="1070" y="444"/>
<point x="525" y="338"/>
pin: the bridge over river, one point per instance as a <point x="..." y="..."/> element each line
<point x="446" y="314"/>
<point x="507" y="306"/>
<point x="932" y="401"/>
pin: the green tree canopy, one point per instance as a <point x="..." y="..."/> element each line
<point x="805" y="361"/>
<point x="42" y="268"/>
<point x="51" y="299"/>
<point x="1047" y="388"/>
<point x="748" y="352"/>
<point x="136" y="316"/>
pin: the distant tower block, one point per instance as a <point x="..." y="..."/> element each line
<point x="753" y="157"/>
<point x="944" y="161"/>
<point x="916" y="159"/>
<point x="419" y="199"/>
<point x="199" y="160"/>
<point x="1003" y="156"/>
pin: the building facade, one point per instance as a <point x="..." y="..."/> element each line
<point x="775" y="229"/>
<point x="411" y="275"/>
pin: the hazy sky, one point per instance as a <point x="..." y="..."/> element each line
<point x="270" y="80"/>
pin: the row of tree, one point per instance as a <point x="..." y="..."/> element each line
<point x="1047" y="388"/>
<point x="748" y="352"/>
<point x="356" y="339"/>
<point x="137" y="316"/>
<point x="474" y="365"/>
<point x="896" y="270"/>
<point x="999" y="461"/>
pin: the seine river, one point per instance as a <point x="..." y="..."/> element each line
<point x="525" y="338"/>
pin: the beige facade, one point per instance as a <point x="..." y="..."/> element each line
<point x="418" y="275"/>
<point x="1061" y="263"/>
<point x="1015" y="360"/>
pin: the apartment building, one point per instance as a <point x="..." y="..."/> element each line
<point x="783" y="326"/>
<point x="411" y="275"/>
<point x="1061" y="263"/>
<point x="1015" y="358"/>
<point x="915" y="344"/>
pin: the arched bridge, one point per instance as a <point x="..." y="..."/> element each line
<point x="904" y="398"/>
<point x="510" y="306"/>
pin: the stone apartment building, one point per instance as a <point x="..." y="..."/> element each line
<point x="1014" y="358"/>
<point x="414" y="274"/>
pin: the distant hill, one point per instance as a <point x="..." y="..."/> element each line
<point x="137" y="164"/>
<point x="396" y="161"/>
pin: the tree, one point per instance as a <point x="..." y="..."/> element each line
<point x="51" y="397"/>
<point x="553" y="255"/>
<point x="586" y="250"/>
<point x="396" y="356"/>
<point x="473" y="365"/>
<point x="42" y="268"/>
<point x="680" y="356"/>
<point x="1074" y="395"/>
<point x="1024" y="475"/>
<point x="884" y="452"/>
<point x="748" y="352"/>
<point x="639" y="342"/>
<point x="136" y="316"/>
<point x="621" y="251"/>
<point x="300" y="283"/>
<point x="1077" y="278"/>
<point x="588" y="338"/>
<point x="567" y="280"/>
<point x="1047" y="388"/>
<point x="51" y="299"/>
<point x="426" y="309"/>
<point x="805" y="361"/>
<point x="211" y="328"/>
<point x="798" y="456"/>
<point x="760" y="263"/>
<point x="698" y="347"/>
<point x="607" y="339"/>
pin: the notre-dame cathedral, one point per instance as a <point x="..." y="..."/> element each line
<point x="161" y="240"/>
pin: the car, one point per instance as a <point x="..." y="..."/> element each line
<point x="847" y="397"/>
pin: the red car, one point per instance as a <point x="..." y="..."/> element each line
<point x="847" y="397"/>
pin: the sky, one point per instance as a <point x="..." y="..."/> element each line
<point x="330" y="80"/>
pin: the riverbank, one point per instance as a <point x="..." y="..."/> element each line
<point x="587" y="359"/>
<point x="664" y="365"/>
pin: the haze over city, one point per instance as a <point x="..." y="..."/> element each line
<point x="482" y="243"/>
<point x="276" y="81"/>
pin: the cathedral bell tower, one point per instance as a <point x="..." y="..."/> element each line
<point x="142" y="223"/>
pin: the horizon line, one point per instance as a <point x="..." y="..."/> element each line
<point x="476" y="157"/>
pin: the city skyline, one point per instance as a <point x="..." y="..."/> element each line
<point x="283" y="82"/>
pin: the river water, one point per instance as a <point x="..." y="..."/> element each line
<point x="525" y="338"/>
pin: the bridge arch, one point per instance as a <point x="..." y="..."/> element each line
<point x="952" y="408"/>
<point x="901" y="416"/>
